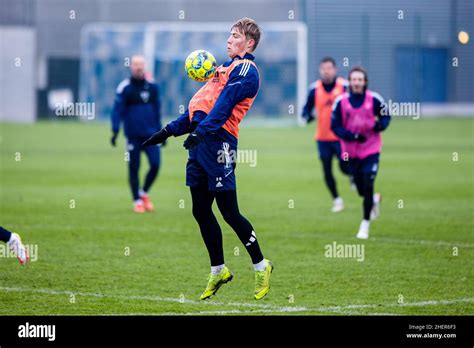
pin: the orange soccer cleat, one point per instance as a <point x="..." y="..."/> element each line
<point x="147" y="202"/>
<point x="139" y="207"/>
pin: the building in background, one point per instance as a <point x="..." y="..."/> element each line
<point x="410" y="48"/>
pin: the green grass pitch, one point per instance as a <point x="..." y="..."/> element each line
<point x="419" y="259"/>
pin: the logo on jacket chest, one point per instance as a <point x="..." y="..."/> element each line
<point x="330" y="101"/>
<point x="219" y="76"/>
<point x="327" y="99"/>
<point x="145" y="95"/>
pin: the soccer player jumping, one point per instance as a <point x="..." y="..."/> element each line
<point x="212" y="119"/>
<point x="321" y="96"/>
<point x="358" y="119"/>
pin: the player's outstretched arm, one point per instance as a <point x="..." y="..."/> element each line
<point x="157" y="138"/>
<point x="182" y="125"/>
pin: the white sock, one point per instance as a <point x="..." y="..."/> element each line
<point x="215" y="270"/>
<point x="142" y="193"/>
<point x="337" y="200"/>
<point x="376" y="197"/>
<point x="138" y="201"/>
<point x="366" y="223"/>
<point x="260" y="266"/>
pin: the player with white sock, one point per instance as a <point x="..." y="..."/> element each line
<point x="321" y="97"/>
<point x="358" y="118"/>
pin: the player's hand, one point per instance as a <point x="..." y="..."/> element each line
<point x="157" y="138"/>
<point x="308" y="118"/>
<point x="113" y="140"/>
<point x="359" y="138"/>
<point x="192" y="140"/>
<point x="193" y="126"/>
<point x="378" y="127"/>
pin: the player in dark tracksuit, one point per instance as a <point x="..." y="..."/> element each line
<point x="137" y="105"/>
<point x="212" y="119"/>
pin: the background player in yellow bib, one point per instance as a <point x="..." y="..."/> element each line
<point x="212" y="119"/>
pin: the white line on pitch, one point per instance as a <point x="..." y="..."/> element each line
<point x="423" y="242"/>
<point x="441" y="243"/>
<point x="157" y="299"/>
<point x="341" y="309"/>
<point x="260" y="308"/>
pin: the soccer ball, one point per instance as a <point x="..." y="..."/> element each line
<point x="200" y="65"/>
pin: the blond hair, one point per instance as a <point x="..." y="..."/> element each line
<point x="249" y="28"/>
